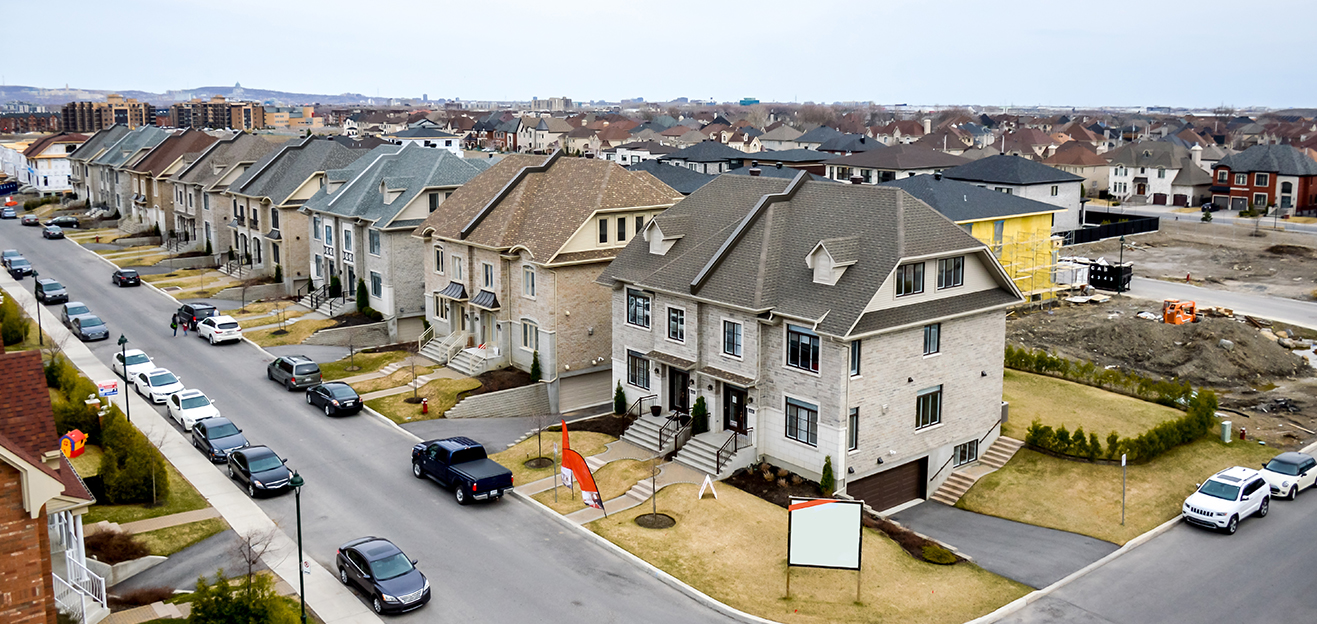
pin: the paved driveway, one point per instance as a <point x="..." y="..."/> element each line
<point x="1031" y="555"/>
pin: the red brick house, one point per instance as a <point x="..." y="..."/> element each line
<point x="1266" y="175"/>
<point x="42" y="501"/>
<point x="21" y="123"/>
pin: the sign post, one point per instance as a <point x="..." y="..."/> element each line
<point x="825" y="533"/>
<point x="109" y="389"/>
<point x="1122" y="489"/>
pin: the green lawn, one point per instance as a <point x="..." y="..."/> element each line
<point x="442" y="395"/>
<point x="165" y="542"/>
<point x="182" y="497"/>
<point x="366" y="363"/>
<point x="1058" y="402"/>
<point x="1085" y="498"/>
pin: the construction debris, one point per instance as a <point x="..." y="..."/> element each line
<point x="1147" y="316"/>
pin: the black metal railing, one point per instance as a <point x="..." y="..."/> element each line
<point x="637" y="408"/>
<point x="673" y="427"/>
<point x="953" y="455"/>
<point x="319" y="295"/>
<point x="729" y="449"/>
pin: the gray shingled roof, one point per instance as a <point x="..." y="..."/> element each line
<point x="142" y="138"/>
<point x="706" y="151"/>
<point x="278" y="174"/>
<point x="423" y="132"/>
<point x="766" y="269"/>
<point x="900" y="157"/>
<point x="937" y="308"/>
<point x="818" y="135"/>
<point x="240" y="148"/>
<point x="1279" y="159"/>
<point x="99" y="141"/>
<point x="1150" y="154"/>
<point x="853" y="143"/>
<point x="962" y="201"/>
<point x="409" y="169"/>
<point x="791" y="156"/>
<point x="1007" y="169"/>
<point x="681" y="179"/>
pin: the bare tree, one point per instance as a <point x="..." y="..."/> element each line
<point x="251" y="547"/>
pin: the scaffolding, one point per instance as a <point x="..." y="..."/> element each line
<point x="1031" y="261"/>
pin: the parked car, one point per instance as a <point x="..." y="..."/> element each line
<point x="189" y="407"/>
<point x="126" y="277"/>
<point x="90" y="327"/>
<point x="192" y="313"/>
<point x="336" y="397"/>
<point x="157" y="384"/>
<point x="8" y="212"/>
<point x="259" y="469"/>
<point x="49" y="291"/>
<point x="30" y="219"/>
<point x="18" y="267"/>
<point x="217" y="437"/>
<point x="1228" y="497"/>
<point x="52" y="231"/>
<point x="7" y="254"/>
<point x="379" y="569"/>
<point x="1288" y="473"/>
<point x="294" y="371"/>
<point x="72" y="309"/>
<point x="461" y="463"/>
<point x="66" y="221"/>
<point x="219" y="329"/>
<point x="135" y="360"/>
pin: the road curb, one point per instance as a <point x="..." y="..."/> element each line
<point x="395" y="425"/>
<point x="646" y="566"/>
<point x="1032" y="597"/>
<point x="532" y="432"/>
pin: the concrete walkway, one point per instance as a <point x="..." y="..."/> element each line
<point x="153" y="611"/>
<point x="439" y="373"/>
<point x="1022" y="552"/>
<point x="154" y="524"/>
<point x="391" y="369"/>
<point x="324" y="593"/>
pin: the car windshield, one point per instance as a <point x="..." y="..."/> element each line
<point x="21" y="262"/>
<point x="306" y="369"/>
<point x="1220" y="490"/>
<point x="48" y="286"/>
<point x="228" y="325"/>
<point x="342" y="392"/>
<point x="138" y="358"/>
<point x="82" y="309"/>
<point x="391" y="567"/>
<point x="91" y="322"/>
<point x="163" y="379"/>
<point x="195" y="402"/>
<point x="1284" y="468"/>
<point x="269" y="462"/>
<point x="128" y="273"/>
<point x="221" y="431"/>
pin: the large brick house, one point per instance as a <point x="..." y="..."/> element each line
<point x="42" y="501"/>
<point x="1266" y="175"/>
<point x="511" y="262"/>
<point x="817" y="320"/>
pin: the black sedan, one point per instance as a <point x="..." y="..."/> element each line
<point x="389" y="579"/>
<point x="65" y="221"/>
<point x="18" y="267"/>
<point x="90" y="327"/>
<point x="30" y="219"/>
<point x="217" y="437"/>
<point x="126" y="277"/>
<point x="259" y="469"/>
<point x="335" y="397"/>
<point x="52" y="231"/>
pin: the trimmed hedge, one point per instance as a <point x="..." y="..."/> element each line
<point x="1196" y="423"/>
<point x="1168" y="393"/>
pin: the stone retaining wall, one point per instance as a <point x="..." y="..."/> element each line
<point x="263" y="291"/>
<point x="138" y="241"/>
<point x="359" y="336"/>
<point x="523" y="401"/>
<point x="199" y="262"/>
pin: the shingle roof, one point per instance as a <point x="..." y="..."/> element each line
<point x="937" y="308"/>
<point x="706" y="151"/>
<point x="1078" y="154"/>
<point x="171" y="149"/>
<point x="223" y="154"/>
<point x="1192" y="175"/>
<point x="25" y="412"/>
<point x="681" y="179"/>
<point x="818" y="135"/>
<point x="422" y="132"/>
<point x="850" y="143"/>
<point x="99" y="141"/>
<point x="144" y="137"/>
<point x="962" y="201"/>
<point x="1279" y="159"/>
<point x="775" y="172"/>
<point x="1007" y="169"/>
<point x="780" y="133"/>
<point x="540" y="210"/>
<point x="42" y="143"/>
<point x="1150" y="154"/>
<point x="408" y="169"/>
<point x="898" y="157"/>
<point x="765" y="269"/>
<point x="800" y="155"/>
<point x="278" y="174"/>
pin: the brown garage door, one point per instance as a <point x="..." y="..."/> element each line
<point x="890" y="488"/>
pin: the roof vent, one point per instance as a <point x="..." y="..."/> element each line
<point x="779" y="164"/>
<point x="855" y="179"/>
<point x="754" y="171"/>
<point x="937" y="175"/>
<point x="754" y="163"/>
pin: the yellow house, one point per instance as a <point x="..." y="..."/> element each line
<point x="1018" y="230"/>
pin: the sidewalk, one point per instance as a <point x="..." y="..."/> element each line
<point x="153" y="524"/>
<point x="324" y="594"/>
<point x="441" y="373"/>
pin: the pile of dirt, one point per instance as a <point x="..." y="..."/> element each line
<point x="1111" y="335"/>
<point x="1293" y="250"/>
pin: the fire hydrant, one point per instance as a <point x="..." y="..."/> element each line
<point x="425" y="406"/>
<point x="98" y="239"/>
<point x="1243" y="433"/>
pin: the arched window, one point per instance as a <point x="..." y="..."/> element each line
<point x="1287" y="187"/>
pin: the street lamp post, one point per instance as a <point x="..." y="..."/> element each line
<point x="297" y="482"/>
<point x="41" y="334"/>
<point x="1120" y="272"/>
<point x="123" y="353"/>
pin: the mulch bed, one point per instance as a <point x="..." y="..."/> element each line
<point x="610" y="424"/>
<point x="501" y="379"/>
<point x="656" y="521"/>
<point x="352" y="320"/>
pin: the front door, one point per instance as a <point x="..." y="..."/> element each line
<point x="678" y="398"/>
<point x="486" y="333"/>
<point x="733" y="408"/>
<point x="1141" y="189"/>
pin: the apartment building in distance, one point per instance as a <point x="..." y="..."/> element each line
<point x="96" y="116"/>
<point x="295" y="117"/>
<point x="218" y="113"/>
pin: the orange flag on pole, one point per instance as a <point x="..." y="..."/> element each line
<point x="571" y="460"/>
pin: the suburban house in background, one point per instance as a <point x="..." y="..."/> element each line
<point x="151" y="174"/>
<point x="809" y="317"/>
<point x="264" y="201"/>
<point x="1028" y="179"/>
<point x="89" y="182"/>
<point x="890" y="163"/>
<point x="1266" y="175"/>
<point x="361" y="224"/>
<point x="41" y="507"/>
<point x="47" y="165"/>
<point x="1161" y="172"/>
<point x="199" y="188"/>
<point x="427" y="137"/>
<point x="510" y="266"/>
<point x="780" y="138"/>
<point x="1079" y="158"/>
<point x="708" y="157"/>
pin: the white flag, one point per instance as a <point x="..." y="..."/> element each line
<point x="566" y="476"/>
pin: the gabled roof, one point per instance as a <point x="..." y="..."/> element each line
<point x="1192" y="175"/>
<point x="680" y="178"/>
<point x="27" y="423"/>
<point x="706" y="151"/>
<point x="1279" y="159"/>
<point x="409" y="169"/>
<point x="539" y="202"/>
<point x="422" y="132"/>
<point x="216" y="161"/>
<point x="818" y="135"/>
<point x="1007" y="169"/>
<point x="1150" y="154"/>
<point x="745" y="255"/>
<point x="850" y="143"/>
<point x="648" y="146"/>
<point x="189" y="141"/>
<point x="900" y="157"/>
<point x="130" y="146"/>
<point x="553" y="124"/>
<point x="780" y="133"/>
<point x="1076" y="154"/>
<point x="278" y="174"/>
<point x="962" y="201"/>
<point x="100" y="141"/>
<point x="42" y="143"/>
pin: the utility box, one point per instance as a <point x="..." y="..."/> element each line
<point x="1225" y="431"/>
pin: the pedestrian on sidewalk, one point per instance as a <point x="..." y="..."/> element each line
<point x="173" y="324"/>
<point x="185" y="324"/>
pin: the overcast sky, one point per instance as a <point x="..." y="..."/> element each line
<point x="1012" y="52"/>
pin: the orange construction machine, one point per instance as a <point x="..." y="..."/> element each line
<point x="1178" y="312"/>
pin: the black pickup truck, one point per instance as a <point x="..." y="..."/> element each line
<point x="461" y="463"/>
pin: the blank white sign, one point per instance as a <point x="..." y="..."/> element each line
<point x="824" y="533"/>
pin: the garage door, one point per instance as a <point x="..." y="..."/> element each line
<point x="890" y="488"/>
<point x="1159" y="199"/>
<point x="584" y="391"/>
<point x="1180" y="199"/>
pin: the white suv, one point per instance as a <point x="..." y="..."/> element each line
<point x="1228" y="497"/>
<point x="219" y="329"/>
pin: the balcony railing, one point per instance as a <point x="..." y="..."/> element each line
<point x="83" y="579"/>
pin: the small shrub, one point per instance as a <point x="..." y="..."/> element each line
<point x="782" y="473"/>
<point x="1079" y="443"/>
<point x="363" y="297"/>
<point x="1094" y="446"/>
<point x="769" y="476"/>
<point x="209" y="250"/>
<point x="781" y="483"/>
<point x="535" y="372"/>
<point x="619" y="400"/>
<point x="278" y="273"/>
<point x="1061" y="443"/>
<point x="827" y="482"/>
<point x="1113" y="445"/>
<point x="939" y="555"/>
<point x="114" y="547"/>
<point x="335" y="287"/>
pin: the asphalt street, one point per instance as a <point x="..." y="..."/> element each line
<point x="496" y="562"/>
<point x="181" y="570"/>
<point x="1290" y="311"/>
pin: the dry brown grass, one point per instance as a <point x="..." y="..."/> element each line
<point x="1057" y="402"/>
<point x="734" y="549"/>
<point x="127" y="251"/>
<point x="442" y="394"/>
<point x="259" y="321"/>
<point x="586" y="443"/>
<point x="613" y="480"/>
<point x="254" y="309"/>
<point x="297" y="332"/>
<point x="365" y="363"/>
<point x="398" y="379"/>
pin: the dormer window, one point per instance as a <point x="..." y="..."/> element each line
<point x="830" y="258"/>
<point x="661" y="237"/>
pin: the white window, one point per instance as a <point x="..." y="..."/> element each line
<point x="928" y="407"/>
<point x="329" y="235"/>
<point x="965" y="453"/>
<point x="315" y="227"/>
<point x="637" y="309"/>
<point x="530" y="335"/>
<point x="603" y="231"/>
<point x="373" y="238"/>
<point x="910" y="279"/>
<point x="732" y="338"/>
<point x="802" y="421"/>
<point x="1241" y="179"/>
<point x="439" y="259"/>
<point x="1261" y="179"/>
<point x="347" y="239"/>
<point x="1161" y="175"/>
<point x="676" y="324"/>
<point x="317" y="265"/>
<point x="376" y="284"/>
<point x="802" y="348"/>
<point x="1055" y="190"/>
<point x="932" y="338"/>
<point x="442" y="306"/>
<point x="855" y="358"/>
<point x="637" y="370"/>
<point x="621" y="229"/>
<point x="853" y="429"/>
<point x="487" y="274"/>
<point x="950" y="272"/>
<point x="457" y="268"/>
<point x="528" y="281"/>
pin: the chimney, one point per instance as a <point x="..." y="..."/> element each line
<point x="1197" y="152"/>
<point x="754" y="163"/>
<point x="928" y="126"/>
<point x="856" y="179"/>
<point x="754" y="171"/>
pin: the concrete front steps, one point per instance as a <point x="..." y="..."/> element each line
<point x="961" y="480"/>
<point x="701" y="453"/>
<point x="330" y="308"/>
<point x="644" y="432"/>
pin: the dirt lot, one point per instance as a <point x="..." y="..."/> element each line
<point x="1225" y="257"/>
<point x="1249" y="376"/>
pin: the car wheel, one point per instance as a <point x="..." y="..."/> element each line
<point x="1265" y="508"/>
<point x="416" y="470"/>
<point x="251" y="490"/>
<point x="327" y="411"/>
<point x="212" y="340"/>
<point x="1233" y="525"/>
<point x="288" y="386"/>
<point x="269" y="375"/>
<point x="308" y="398"/>
<point x="343" y="576"/>
<point x="379" y="607"/>
<point x="195" y="444"/>
<point x="460" y="492"/>
<point x="1294" y="492"/>
<point x="230" y="472"/>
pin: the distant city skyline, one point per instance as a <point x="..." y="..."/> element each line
<point x="1023" y="53"/>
